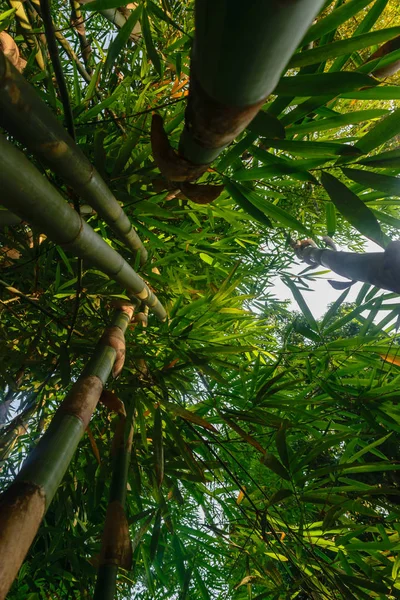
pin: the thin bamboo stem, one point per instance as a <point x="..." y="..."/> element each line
<point x="26" y="28"/>
<point x="33" y="198"/>
<point x="78" y="22"/>
<point x="28" y="118"/>
<point x="57" y="68"/>
<point x="24" y="503"/>
<point x="116" y="549"/>
<point x="239" y="54"/>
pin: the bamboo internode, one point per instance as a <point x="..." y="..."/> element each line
<point x="24" y="503"/>
<point x="30" y="196"/>
<point x="239" y="54"/>
<point x="24" y="114"/>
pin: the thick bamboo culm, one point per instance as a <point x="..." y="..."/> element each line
<point x="381" y="269"/>
<point x="24" y="503"/>
<point x="239" y="53"/>
<point x="24" y="114"/>
<point x="30" y="196"/>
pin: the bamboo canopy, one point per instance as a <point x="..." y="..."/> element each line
<point x="240" y="51"/>
<point x="24" y="114"/>
<point x="24" y="503"/>
<point x="30" y="196"/>
<point x="377" y="268"/>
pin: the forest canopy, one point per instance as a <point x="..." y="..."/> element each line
<point x="169" y="426"/>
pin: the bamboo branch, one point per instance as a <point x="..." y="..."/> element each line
<point x="34" y="199"/>
<point x="26" y="28"/>
<point x="24" y="503"/>
<point x="26" y="116"/>
<point x="78" y="23"/>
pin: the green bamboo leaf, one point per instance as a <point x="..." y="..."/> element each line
<point x="334" y="19"/>
<point x="281" y="445"/>
<point x="155" y="535"/>
<point x="384" y="92"/>
<point x="272" y="463"/>
<point x="334" y="308"/>
<point x="385" y="160"/>
<point x="235" y="150"/>
<point x="244" y="203"/>
<point x="350" y="118"/>
<point x="265" y="124"/>
<point x="121" y="39"/>
<point x="311" y="149"/>
<point x="353" y="209"/>
<point x="369" y="447"/>
<point x="384" y="131"/>
<point x="376" y="181"/>
<point x="65" y="367"/>
<point x="302" y="304"/>
<point x="321" y="84"/>
<point x="273" y="211"/>
<point x="148" y="40"/>
<point x="98" y="5"/>
<point x="279" y="496"/>
<point x="330" y="214"/>
<point x="387" y="219"/>
<point x="306" y="331"/>
<point x="158" y="447"/>
<point x="328" y="51"/>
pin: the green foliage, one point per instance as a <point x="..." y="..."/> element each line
<point x="265" y="450"/>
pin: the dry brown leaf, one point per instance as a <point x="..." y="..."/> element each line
<point x="201" y="194"/>
<point x="171" y="165"/>
<point x="10" y="49"/>
<point x="112" y="402"/>
<point x="188" y="415"/>
<point x="394" y="360"/>
<point x="93" y="444"/>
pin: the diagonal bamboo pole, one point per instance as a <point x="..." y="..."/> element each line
<point x="24" y="503"/>
<point x="30" y="196"/>
<point x="30" y="120"/>
<point x="240" y="51"/>
<point x="381" y="269"/>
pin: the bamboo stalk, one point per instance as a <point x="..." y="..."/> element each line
<point x="239" y="53"/>
<point x="116" y="549"/>
<point x="30" y="120"/>
<point x="33" y="199"/>
<point x="78" y="23"/>
<point x="381" y="269"/>
<point x="24" y="503"/>
<point x="26" y="28"/>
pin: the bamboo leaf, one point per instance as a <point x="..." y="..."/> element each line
<point x="121" y="39"/>
<point x="353" y="209"/>
<point x="330" y="213"/>
<point x="334" y="19"/>
<point x="323" y="84"/>
<point x="339" y="120"/>
<point x="384" y="131"/>
<point x="302" y="304"/>
<point x="376" y="181"/>
<point x="158" y="447"/>
<point x="272" y="463"/>
<point x="273" y="211"/>
<point x="244" y="203"/>
<point x="385" y="160"/>
<point x="265" y="124"/>
<point x="148" y="40"/>
<point x="328" y="51"/>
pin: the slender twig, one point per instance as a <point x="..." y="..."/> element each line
<point x="55" y="60"/>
